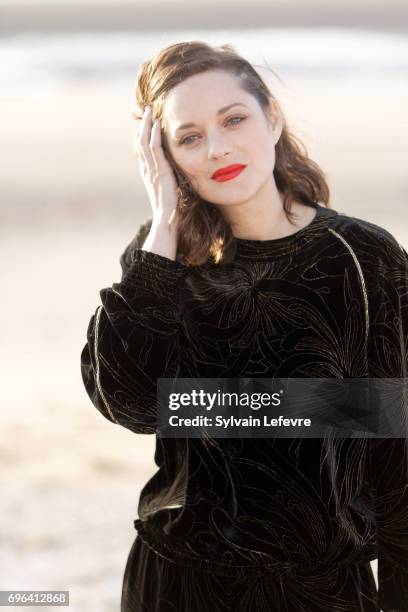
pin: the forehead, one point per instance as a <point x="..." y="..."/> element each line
<point x="202" y="94"/>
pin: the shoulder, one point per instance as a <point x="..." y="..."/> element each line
<point x="369" y="241"/>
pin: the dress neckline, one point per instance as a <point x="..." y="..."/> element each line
<point x="307" y="235"/>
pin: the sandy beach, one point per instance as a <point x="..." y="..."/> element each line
<point x="72" y="199"/>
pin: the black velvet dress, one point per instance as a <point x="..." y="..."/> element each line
<point x="288" y="525"/>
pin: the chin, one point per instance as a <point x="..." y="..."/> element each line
<point x="233" y="195"/>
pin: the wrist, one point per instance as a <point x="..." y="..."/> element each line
<point x="164" y="222"/>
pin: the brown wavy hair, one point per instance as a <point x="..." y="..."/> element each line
<point x="203" y="233"/>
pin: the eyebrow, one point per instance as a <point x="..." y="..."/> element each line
<point x="220" y="112"/>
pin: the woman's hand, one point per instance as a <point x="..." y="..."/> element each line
<point x="156" y="172"/>
<point x="161" y="186"/>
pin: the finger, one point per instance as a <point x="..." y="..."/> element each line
<point x="145" y="135"/>
<point x="137" y="138"/>
<point x="136" y="112"/>
<point x="156" y="145"/>
<point x="136" y="146"/>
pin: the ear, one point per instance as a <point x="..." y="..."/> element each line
<point x="275" y="120"/>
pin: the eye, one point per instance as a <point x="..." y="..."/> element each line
<point x="187" y="138"/>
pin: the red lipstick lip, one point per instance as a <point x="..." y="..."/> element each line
<point x="233" y="168"/>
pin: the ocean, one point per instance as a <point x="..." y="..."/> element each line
<point x="40" y="64"/>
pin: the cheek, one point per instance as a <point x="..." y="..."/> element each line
<point x="262" y="154"/>
<point x="262" y="141"/>
<point x="192" y="167"/>
<point x="259" y="143"/>
<point x="269" y="149"/>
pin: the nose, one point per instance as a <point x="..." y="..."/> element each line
<point x="218" y="147"/>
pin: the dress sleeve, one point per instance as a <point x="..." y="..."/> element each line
<point x="133" y="338"/>
<point x="388" y="457"/>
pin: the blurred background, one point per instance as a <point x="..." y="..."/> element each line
<point x="72" y="199"/>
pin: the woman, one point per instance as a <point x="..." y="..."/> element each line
<point x="245" y="271"/>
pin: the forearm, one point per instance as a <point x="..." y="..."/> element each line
<point x="162" y="238"/>
<point x="133" y="339"/>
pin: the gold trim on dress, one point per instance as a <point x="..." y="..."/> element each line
<point x="98" y="384"/>
<point x="360" y="271"/>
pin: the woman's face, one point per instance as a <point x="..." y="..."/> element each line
<point x="241" y="134"/>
